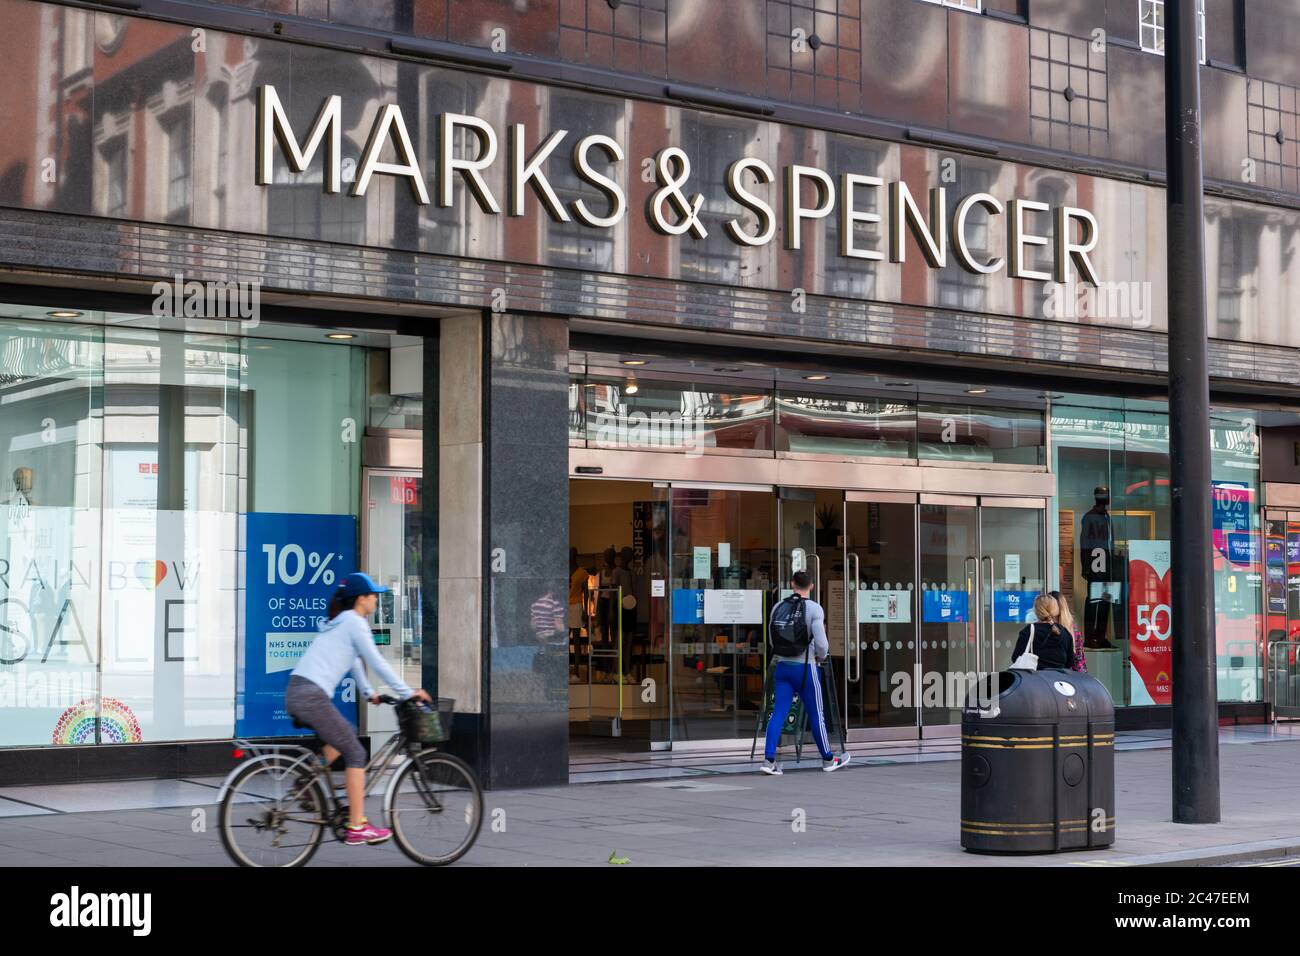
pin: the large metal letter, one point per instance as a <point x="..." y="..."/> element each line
<point x="737" y="191"/>
<point x="903" y="213"/>
<point x="390" y="125"/>
<point x="617" y="201"/>
<point x="964" y="257"/>
<point x="524" y="171"/>
<point x="850" y="217"/>
<point x="472" y="169"/>
<point x="1066" y="249"/>
<point x="1017" y="239"/>
<point x="272" y="124"/>
<point x="795" y="213"/>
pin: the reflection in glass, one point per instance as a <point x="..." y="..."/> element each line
<point x="52" y="392"/>
<point x="1112" y="467"/>
<point x="666" y="416"/>
<point x="828" y="425"/>
<point x="1004" y="436"/>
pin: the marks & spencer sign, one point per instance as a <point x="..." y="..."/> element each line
<point x="765" y="201"/>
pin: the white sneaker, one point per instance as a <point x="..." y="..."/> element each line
<point x="836" y="762"/>
<point x="772" y="768"/>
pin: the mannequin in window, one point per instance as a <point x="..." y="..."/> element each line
<point x="1097" y="552"/>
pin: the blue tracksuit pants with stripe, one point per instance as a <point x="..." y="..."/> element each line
<point x="802" y="679"/>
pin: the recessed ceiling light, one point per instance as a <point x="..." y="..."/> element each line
<point x="63" y="314"/>
<point x="976" y="391"/>
<point x="632" y="388"/>
<point x="816" y="378"/>
<point x="261" y="346"/>
<point x="898" y="384"/>
<point x="341" y="336"/>
<point x="633" y="361"/>
<point x="729" y="368"/>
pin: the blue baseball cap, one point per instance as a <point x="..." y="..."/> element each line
<point x="358" y="583"/>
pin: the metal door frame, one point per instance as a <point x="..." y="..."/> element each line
<point x="984" y="640"/>
<point x="1283" y="513"/>
<point x="851" y="622"/>
<point x="982" y="615"/>
<point x="363" y="551"/>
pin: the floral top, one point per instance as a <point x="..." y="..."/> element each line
<point x="1080" y="664"/>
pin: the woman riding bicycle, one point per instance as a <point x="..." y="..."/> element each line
<point x="345" y="641"/>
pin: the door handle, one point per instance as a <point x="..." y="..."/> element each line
<point x="988" y="586"/>
<point x="972" y="568"/>
<point x="854" y="673"/>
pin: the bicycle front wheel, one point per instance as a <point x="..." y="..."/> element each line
<point x="435" y="807"/>
<point x="273" y="814"/>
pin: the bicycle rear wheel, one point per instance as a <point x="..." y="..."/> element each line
<point x="273" y="814"/>
<point x="435" y="807"/>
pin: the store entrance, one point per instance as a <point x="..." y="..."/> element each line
<point x="671" y="584"/>
<point x="922" y="593"/>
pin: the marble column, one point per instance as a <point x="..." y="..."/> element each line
<point x="526" y="530"/>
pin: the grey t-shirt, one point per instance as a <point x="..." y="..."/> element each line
<point x="815" y="617"/>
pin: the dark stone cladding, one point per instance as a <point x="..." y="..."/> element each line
<point x="68" y="245"/>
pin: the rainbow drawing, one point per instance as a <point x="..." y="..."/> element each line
<point x="117" y="725"/>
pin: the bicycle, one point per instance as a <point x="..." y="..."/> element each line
<point x="283" y="799"/>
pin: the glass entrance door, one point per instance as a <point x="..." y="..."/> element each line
<point x="391" y="533"/>
<point x="981" y="567"/>
<point x="922" y="593"/>
<point x="950" y="612"/>
<point x="722" y="573"/>
<point x="881" y="650"/>
<point x="1011" y="565"/>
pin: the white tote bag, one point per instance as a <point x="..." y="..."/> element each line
<point x="1028" y="661"/>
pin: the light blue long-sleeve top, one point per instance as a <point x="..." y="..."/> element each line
<point x="342" y="645"/>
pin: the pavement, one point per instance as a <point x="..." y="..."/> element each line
<point x="893" y="805"/>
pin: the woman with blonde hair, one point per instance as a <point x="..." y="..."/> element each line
<point x="1066" y="620"/>
<point x="1053" y="646"/>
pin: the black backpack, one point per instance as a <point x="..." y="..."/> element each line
<point x="788" y="631"/>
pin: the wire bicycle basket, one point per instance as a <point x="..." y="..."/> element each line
<point x="423" y="723"/>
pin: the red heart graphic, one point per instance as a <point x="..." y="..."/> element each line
<point x="159" y="572"/>
<point x="1150" y="617"/>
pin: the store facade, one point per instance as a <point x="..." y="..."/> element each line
<point x="273" y="308"/>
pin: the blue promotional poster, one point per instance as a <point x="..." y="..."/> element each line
<point x="1243" y="547"/>
<point x="1013" y="605"/>
<point x="292" y="566"/>
<point x="944" y="607"/>
<point x="688" y="606"/>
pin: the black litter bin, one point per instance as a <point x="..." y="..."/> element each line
<point x="1038" y="764"/>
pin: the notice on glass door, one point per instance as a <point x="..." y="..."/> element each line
<point x="702" y="568"/>
<point x="884" y="606"/>
<point x="1013" y="570"/>
<point x="729" y="606"/>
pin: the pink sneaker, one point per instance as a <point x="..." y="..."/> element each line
<point x="366" y="833"/>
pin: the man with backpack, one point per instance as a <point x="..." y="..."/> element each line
<point x="797" y="632"/>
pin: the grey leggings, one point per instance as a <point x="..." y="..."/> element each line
<point x="310" y="705"/>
